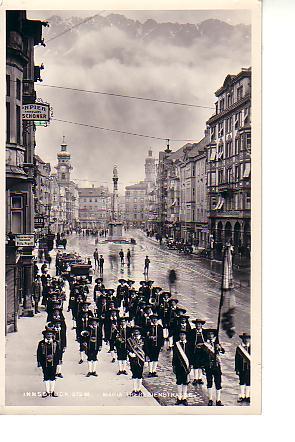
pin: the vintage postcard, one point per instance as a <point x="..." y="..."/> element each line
<point x="132" y="228"/>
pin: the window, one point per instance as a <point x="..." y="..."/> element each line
<point x="7" y="122"/>
<point x="230" y="124"/>
<point x="221" y="105"/>
<point x="18" y="89"/>
<point x="247" y="201"/>
<point x="8" y="85"/>
<point x="220" y="176"/>
<point x="237" y="146"/>
<point x="237" y="172"/>
<point x="240" y="92"/>
<point x="229" y="100"/>
<point x="213" y="133"/>
<point x="18" y="125"/>
<point x="17" y="214"/>
<point x="90" y="200"/>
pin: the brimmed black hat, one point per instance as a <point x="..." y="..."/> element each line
<point x="150" y="283"/>
<point x="199" y="321"/>
<point x="181" y="309"/>
<point x="209" y="331"/>
<point x="122" y="281"/>
<point x="183" y="317"/>
<point x="86" y="303"/>
<point x="135" y="328"/>
<point x="98" y="280"/>
<point x="130" y="282"/>
<point x="142" y="282"/>
<point x="173" y="300"/>
<point x="48" y="331"/>
<point x="245" y="336"/>
<point x="110" y="291"/>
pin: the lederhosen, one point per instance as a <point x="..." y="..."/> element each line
<point x="121" y="343"/>
<point x="181" y="362"/>
<point x="137" y="362"/>
<point x="243" y="364"/>
<point x="94" y="341"/>
<point x="154" y="341"/>
<point x="48" y="357"/>
<point x="212" y="365"/>
<point x="197" y="338"/>
<point x="82" y="324"/>
<point x="112" y="335"/>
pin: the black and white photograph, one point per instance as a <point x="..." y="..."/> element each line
<point x="131" y="223"/>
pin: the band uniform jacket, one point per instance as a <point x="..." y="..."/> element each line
<point x="242" y="362"/>
<point x="48" y="354"/>
<point x="154" y="341"/>
<point x="197" y="340"/>
<point x="83" y="321"/>
<point x="181" y="365"/>
<point x="211" y="360"/>
<point x="136" y="346"/>
<point x="93" y="340"/>
<point x="177" y="327"/>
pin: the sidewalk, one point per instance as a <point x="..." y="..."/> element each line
<point x="24" y="381"/>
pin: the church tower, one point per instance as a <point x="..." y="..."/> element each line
<point x="150" y="168"/>
<point x="64" y="166"/>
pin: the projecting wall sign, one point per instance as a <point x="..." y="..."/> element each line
<point x="36" y="112"/>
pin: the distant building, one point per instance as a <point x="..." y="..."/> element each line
<point x="135" y="197"/>
<point x="94" y="207"/>
<point x="229" y="163"/>
<point x="67" y="188"/>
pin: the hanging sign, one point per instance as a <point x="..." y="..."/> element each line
<point x="24" y="240"/>
<point x="36" y="112"/>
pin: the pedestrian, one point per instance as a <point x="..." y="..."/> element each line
<point x="154" y="341"/>
<point x="146" y="266"/>
<point x="243" y="367"/>
<point x="172" y="278"/>
<point x="128" y="255"/>
<point x="212" y="365"/>
<point x="197" y="339"/>
<point x="37" y="291"/>
<point x="136" y="358"/>
<point x="48" y="357"/>
<point x="181" y="363"/>
<point x="96" y="258"/>
<point x="92" y="343"/>
<point x="101" y="263"/>
<point x="121" y="254"/>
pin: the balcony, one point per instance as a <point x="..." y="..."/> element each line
<point x="226" y="187"/>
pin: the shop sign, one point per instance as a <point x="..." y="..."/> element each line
<point x="36" y="112"/>
<point x="25" y="240"/>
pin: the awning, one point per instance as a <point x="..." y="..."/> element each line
<point x="213" y="155"/>
<point x="247" y="170"/>
<point x="219" y="204"/>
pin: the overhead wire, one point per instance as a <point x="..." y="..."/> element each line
<point x="123" y="131"/>
<point x="133" y="97"/>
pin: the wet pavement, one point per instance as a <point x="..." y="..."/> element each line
<point x="198" y="290"/>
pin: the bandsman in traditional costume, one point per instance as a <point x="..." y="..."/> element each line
<point x="48" y="357"/>
<point x="197" y="339"/>
<point x="181" y="362"/>
<point x="171" y="315"/>
<point x="121" y="335"/>
<point x="154" y="341"/>
<point x="82" y="324"/>
<point x="212" y="365"/>
<point x="180" y="323"/>
<point x="136" y="357"/>
<point x="92" y="343"/>
<point x="59" y="327"/>
<point x="164" y="312"/>
<point x="98" y="288"/>
<point x="111" y="328"/>
<point x="243" y="367"/>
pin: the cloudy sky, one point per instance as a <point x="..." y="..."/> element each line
<point x="110" y="59"/>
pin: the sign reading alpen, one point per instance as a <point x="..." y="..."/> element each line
<point x="36" y="112"/>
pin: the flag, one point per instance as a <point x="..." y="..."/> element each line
<point x="227" y="299"/>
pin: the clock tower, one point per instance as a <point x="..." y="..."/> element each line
<point x="64" y="166"/>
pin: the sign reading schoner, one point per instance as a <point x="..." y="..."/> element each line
<point x="36" y="112"/>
